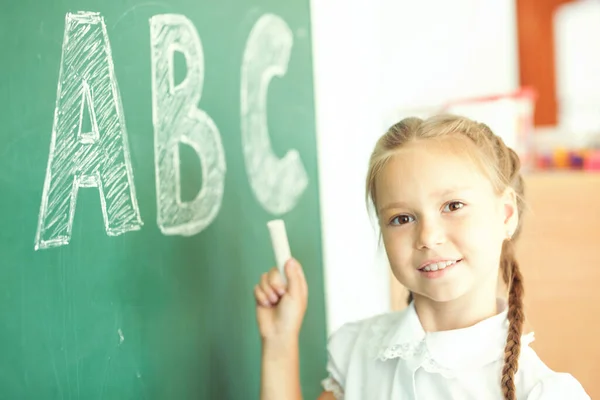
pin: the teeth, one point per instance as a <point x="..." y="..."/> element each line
<point x="438" y="266"/>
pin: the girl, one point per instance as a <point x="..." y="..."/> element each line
<point x="448" y="196"/>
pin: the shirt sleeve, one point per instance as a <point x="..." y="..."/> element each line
<point x="559" y="386"/>
<point x="339" y="352"/>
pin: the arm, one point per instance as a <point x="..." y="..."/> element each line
<point x="279" y="312"/>
<point x="280" y="375"/>
<point x="326" y="396"/>
<point x="558" y="386"/>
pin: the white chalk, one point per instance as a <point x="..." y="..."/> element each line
<point x="281" y="246"/>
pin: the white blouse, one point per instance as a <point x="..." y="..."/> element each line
<point x="390" y="356"/>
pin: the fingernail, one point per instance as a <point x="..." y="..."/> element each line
<point x="266" y="304"/>
<point x="273" y="298"/>
<point x="281" y="292"/>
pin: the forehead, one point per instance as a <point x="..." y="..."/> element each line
<point x="429" y="168"/>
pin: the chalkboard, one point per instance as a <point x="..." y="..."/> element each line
<point x="143" y="147"/>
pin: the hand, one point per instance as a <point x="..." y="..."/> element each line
<point x="280" y="309"/>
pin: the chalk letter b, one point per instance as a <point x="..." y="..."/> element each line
<point x="176" y="119"/>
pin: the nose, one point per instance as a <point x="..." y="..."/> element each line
<point x="430" y="233"/>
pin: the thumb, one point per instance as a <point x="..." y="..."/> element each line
<point x="295" y="277"/>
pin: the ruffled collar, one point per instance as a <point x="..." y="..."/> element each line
<point x="447" y="351"/>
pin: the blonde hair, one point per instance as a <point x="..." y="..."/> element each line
<point x="502" y="166"/>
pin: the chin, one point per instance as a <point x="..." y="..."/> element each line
<point x="440" y="296"/>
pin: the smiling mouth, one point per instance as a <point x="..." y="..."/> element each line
<point x="439" y="265"/>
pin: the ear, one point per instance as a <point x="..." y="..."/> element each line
<point x="510" y="212"/>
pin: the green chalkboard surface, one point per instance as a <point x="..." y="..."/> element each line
<point x="144" y="145"/>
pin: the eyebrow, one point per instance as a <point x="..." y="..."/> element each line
<point x="440" y="193"/>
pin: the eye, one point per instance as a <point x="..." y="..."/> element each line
<point x="401" y="220"/>
<point x="453" y="206"/>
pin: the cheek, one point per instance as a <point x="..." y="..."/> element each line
<point x="481" y="238"/>
<point x="476" y="229"/>
<point x="397" y="245"/>
<point x="486" y="222"/>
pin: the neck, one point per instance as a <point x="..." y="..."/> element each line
<point x="459" y="313"/>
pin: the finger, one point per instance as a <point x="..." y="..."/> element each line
<point x="295" y="276"/>
<point x="261" y="297"/>
<point x="268" y="290"/>
<point x="275" y="279"/>
<point x="304" y="284"/>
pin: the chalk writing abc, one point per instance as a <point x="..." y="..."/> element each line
<point x="101" y="158"/>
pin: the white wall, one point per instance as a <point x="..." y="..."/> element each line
<point x="435" y="50"/>
<point x="577" y="61"/>
<point x="345" y="49"/>
<point x="372" y="59"/>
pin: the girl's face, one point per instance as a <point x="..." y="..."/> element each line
<point x="441" y="220"/>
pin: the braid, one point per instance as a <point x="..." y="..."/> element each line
<point x="514" y="280"/>
<point x="508" y="165"/>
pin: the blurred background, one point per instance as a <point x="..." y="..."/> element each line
<point x="530" y="69"/>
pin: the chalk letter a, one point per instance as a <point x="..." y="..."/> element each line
<point x="87" y="90"/>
